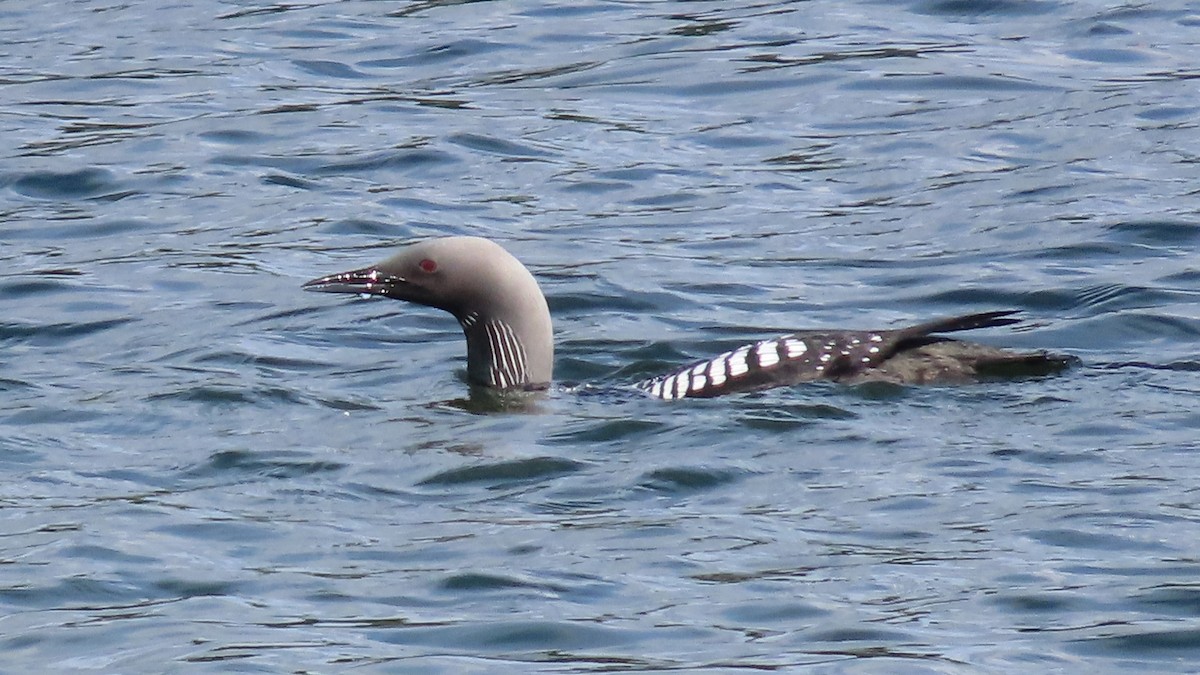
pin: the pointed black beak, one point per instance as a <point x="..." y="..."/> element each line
<point x="368" y="280"/>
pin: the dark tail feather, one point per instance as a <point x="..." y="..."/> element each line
<point x="1029" y="364"/>
<point x="966" y="322"/>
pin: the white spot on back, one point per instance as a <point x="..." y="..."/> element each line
<point x="716" y="372"/>
<point x="768" y="353"/>
<point x="737" y="362"/>
<point x="698" y="382"/>
<point x="681" y="384"/>
<point x="795" y="347"/>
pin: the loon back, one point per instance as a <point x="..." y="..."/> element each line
<point x="913" y="355"/>
<point x="506" y="321"/>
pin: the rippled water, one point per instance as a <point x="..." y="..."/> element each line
<point x="208" y="469"/>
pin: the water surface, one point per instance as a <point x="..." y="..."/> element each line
<point x="208" y="469"/>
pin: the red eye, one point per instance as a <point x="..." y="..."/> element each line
<point x="428" y="266"/>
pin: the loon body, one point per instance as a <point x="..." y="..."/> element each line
<point x="506" y="321"/>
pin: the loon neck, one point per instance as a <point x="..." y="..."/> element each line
<point x="496" y="355"/>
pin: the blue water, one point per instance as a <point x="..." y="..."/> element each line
<point x="207" y="469"/>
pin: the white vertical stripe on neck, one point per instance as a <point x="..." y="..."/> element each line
<point x="508" y="362"/>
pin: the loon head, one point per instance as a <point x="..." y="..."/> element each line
<point x="494" y="297"/>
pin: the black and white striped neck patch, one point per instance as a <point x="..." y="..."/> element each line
<point x="788" y="359"/>
<point x="494" y="348"/>
<point x="508" y="367"/>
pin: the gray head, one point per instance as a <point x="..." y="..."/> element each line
<point x="496" y="300"/>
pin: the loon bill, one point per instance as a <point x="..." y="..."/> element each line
<point x="506" y="321"/>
